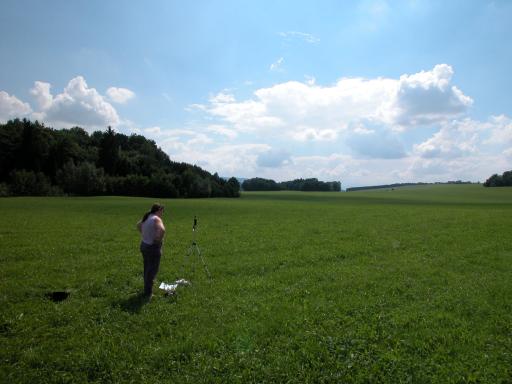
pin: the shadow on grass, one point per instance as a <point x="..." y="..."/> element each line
<point x="132" y="304"/>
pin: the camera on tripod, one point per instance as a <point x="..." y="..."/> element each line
<point x="170" y="288"/>
<point x="194" y="250"/>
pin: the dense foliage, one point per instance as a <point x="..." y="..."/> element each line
<point x="495" y="180"/>
<point x="37" y="160"/>
<point x="259" y="184"/>
<point x="313" y="184"/>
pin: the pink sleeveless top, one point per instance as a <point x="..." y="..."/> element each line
<point x="149" y="230"/>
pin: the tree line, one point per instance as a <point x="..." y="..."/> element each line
<point x="312" y="184"/>
<point x="39" y="160"/>
<point x="383" y="186"/>
<point x="504" y="180"/>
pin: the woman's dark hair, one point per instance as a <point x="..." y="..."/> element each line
<point x="154" y="208"/>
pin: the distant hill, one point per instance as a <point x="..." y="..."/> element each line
<point x="397" y="185"/>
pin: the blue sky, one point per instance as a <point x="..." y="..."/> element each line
<point x="365" y="92"/>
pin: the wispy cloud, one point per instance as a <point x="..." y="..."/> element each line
<point x="306" y="37"/>
<point x="166" y="96"/>
<point x="277" y="65"/>
<point x="148" y="63"/>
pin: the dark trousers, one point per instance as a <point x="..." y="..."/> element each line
<point x="151" y="255"/>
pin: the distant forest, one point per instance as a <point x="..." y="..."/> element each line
<point x="38" y="160"/>
<point x="313" y="184"/>
<point x="504" y="180"/>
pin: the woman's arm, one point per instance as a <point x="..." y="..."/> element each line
<point x="159" y="230"/>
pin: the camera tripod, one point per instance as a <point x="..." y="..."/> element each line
<point x="194" y="250"/>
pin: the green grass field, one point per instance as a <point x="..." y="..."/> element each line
<point x="406" y="286"/>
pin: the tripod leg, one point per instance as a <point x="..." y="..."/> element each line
<point x="204" y="264"/>
<point x="192" y="249"/>
<point x="186" y="262"/>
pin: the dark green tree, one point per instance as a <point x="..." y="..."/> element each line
<point x="10" y="142"/>
<point x="494" y="181"/>
<point x="108" y="155"/>
<point x="504" y="180"/>
<point x="33" y="152"/>
<point x="29" y="183"/>
<point x="103" y="162"/>
<point x="260" y="184"/>
<point x="83" y="179"/>
<point x="233" y="187"/>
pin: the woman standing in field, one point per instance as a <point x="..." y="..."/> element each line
<point x="152" y="230"/>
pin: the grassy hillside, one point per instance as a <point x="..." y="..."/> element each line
<point x="410" y="285"/>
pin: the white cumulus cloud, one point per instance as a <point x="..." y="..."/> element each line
<point x="223" y="131"/>
<point x="307" y="111"/>
<point x="11" y="107"/>
<point x="427" y="97"/>
<point x="230" y="159"/>
<point x="449" y="142"/>
<point x="77" y="105"/>
<point x="501" y="131"/>
<point x="374" y="130"/>
<point x="468" y="137"/>
<point x="41" y="92"/>
<point x="314" y="134"/>
<point x="120" y="95"/>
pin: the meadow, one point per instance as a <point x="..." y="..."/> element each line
<point x="412" y="285"/>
